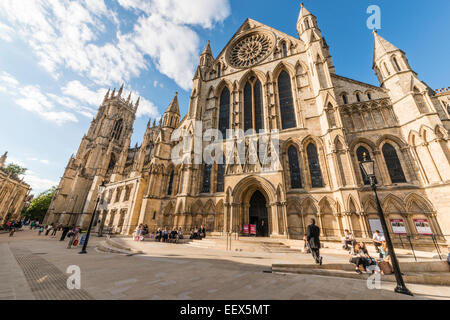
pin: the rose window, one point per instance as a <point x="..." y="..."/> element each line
<point x="250" y="50"/>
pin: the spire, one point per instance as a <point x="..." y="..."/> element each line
<point x="207" y="49"/>
<point x="382" y="47"/>
<point x="121" y="90"/>
<point x="3" y="159"/>
<point x="137" y="103"/>
<point x="174" y="106"/>
<point x="107" y="95"/>
<point x="303" y="12"/>
<point x="149" y="123"/>
<point x="154" y="123"/>
<point x="113" y="93"/>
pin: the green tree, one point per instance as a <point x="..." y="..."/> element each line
<point x="39" y="205"/>
<point x="15" y="169"/>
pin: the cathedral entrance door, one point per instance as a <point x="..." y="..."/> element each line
<point x="258" y="214"/>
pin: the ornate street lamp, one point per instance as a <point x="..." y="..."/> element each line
<point x="101" y="189"/>
<point x="368" y="167"/>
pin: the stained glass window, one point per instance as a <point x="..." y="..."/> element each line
<point x="393" y="164"/>
<point x="253" y="105"/>
<point x="170" y="188"/>
<point x="286" y="101"/>
<point x="224" y="112"/>
<point x="296" y="180"/>
<point x="314" y="166"/>
<point x="221" y="176"/>
<point x="207" y="178"/>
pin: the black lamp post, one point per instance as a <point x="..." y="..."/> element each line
<point x="101" y="189"/>
<point x="368" y="167"/>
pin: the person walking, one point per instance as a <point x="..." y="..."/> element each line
<point x="313" y="239"/>
<point x="65" y="231"/>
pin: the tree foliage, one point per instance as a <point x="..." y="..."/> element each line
<point x="39" y="205"/>
<point x="15" y="169"/>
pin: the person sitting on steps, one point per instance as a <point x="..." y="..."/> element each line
<point x="349" y="240"/>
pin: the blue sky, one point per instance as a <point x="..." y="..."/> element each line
<point x="58" y="58"/>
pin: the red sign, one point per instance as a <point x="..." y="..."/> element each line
<point x="398" y="226"/>
<point x="253" y="229"/>
<point x="245" y="229"/>
<point x="423" y="226"/>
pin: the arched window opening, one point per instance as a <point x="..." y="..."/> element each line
<point x="221" y="176"/>
<point x="344" y="99"/>
<point x="154" y="215"/>
<point x="386" y="69"/>
<point x="314" y="166"/>
<point x="396" y="65"/>
<point x="358" y="97"/>
<point x="112" y="162"/>
<point x="286" y="101"/>
<point x="285" y="51"/>
<point x="296" y="180"/>
<point x="224" y="112"/>
<point x="253" y="105"/>
<point x="307" y="26"/>
<point x="219" y="70"/>
<point x="207" y="179"/>
<point x="393" y="164"/>
<point x="117" y="129"/>
<point x="369" y="96"/>
<point x="362" y="153"/>
<point x="170" y="188"/>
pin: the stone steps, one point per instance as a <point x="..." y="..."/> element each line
<point x="431" y="273"/>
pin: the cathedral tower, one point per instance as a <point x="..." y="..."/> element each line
<point x="98" y="158"/>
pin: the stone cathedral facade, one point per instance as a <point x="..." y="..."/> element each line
<point x="265" y="79"/>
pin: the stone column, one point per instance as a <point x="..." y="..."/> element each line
<point x="274" y="216"/>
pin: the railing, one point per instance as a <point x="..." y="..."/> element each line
<point x="413" y="242"/>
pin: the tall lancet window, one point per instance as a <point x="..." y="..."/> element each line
<point x="253" y="105"/>
<point x="286" y="101"/>
<point x="296" y="180"/>
<point x="314" y="166"/>
<point x="393" y="164"/>
<point x="207" y="178"/>
<point x="221" y="176"/>
<point x="117" y="130"/>
<point x="170" y="188"/>
<point x="285" y="51"/>
<point x="224" y="112"/>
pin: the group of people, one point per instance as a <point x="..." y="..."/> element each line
<point x="71" y="232"/>
<point x="12" y="226"/>
<point x="166" y="235"/>
<point x="360" y="257"/>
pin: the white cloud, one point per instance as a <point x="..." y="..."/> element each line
<point x="37" y="183"/>
<point x="33" y="100"/>
<point x="65" y="35"/>
<point x="82" y="93"/>
<point x="8" y="80"/>
<point x="6" y="32"/>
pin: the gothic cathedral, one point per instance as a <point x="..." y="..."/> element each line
<point x="327" y="123"/>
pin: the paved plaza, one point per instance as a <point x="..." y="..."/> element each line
<point x="35" y="267"/>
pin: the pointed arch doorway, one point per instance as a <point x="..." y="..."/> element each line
<point x="258" y="214"/>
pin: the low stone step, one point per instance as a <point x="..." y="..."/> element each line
<point x="122" y="246"/>
<point x="430" y="278"/>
